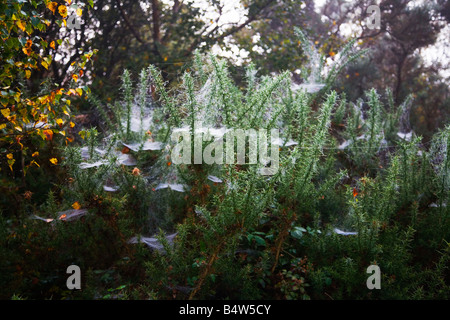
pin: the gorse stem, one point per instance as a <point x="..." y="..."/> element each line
<point x="128" y="97"/>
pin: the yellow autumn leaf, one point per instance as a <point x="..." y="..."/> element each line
<point x="76" y="206"/>
<point x="35" y="154"/>
<point x="75" y="77"/>
<point x="54" y="161"/>
<point x="71" y="124"/>
<point x="52" y="6"/>
<point x="62" y="9"/>
<point x="79" y="12"/>
<point x="6" y="112"/>
<point x="20" y="24"/>
<point x="44" y="64"/>
<point x="2" y="126"/>
<point x="59" y="121"/>
<point x="17" y="97"/>
<point x="79" y="91"/>
<point x="34" y="162"/>
<point x="10" y="163"/>
<point x="10" y="156"/>
<point x="27" y="74"/>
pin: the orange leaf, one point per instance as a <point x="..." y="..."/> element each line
<point x="54" y="161"/>
<point x="355" y="193"/>
<point x="76" y="206"/>
<point x="62" y="216"/>
<point x="52" y="6"/>
<point x="27" y="51"/>
<point x="48" y="134"/>
<point x="62" y="9"/>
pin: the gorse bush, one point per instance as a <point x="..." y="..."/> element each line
<point x="352" y="189"/>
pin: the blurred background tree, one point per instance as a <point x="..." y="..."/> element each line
<point x="394" y="60"/>
<point x="133" y="34"/>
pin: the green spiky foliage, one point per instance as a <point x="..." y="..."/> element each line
<point x="224" y="230"/>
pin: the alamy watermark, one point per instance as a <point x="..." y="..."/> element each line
<point x="374" y="21"/>
<point x="214" y="151"/>
<point x="73" y="21"/>
<point x="74" y="281"/>
<point x="373" y="281"/>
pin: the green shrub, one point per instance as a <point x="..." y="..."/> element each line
<point x="224" y="231"/>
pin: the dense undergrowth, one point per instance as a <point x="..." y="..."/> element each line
<point x="355" y="187"/>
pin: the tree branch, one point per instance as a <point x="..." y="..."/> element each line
<point x="128" y="23"/>
<point x="156" y="22"/>
<point x="229" y="32"/>
<point x="175" y="10"/>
